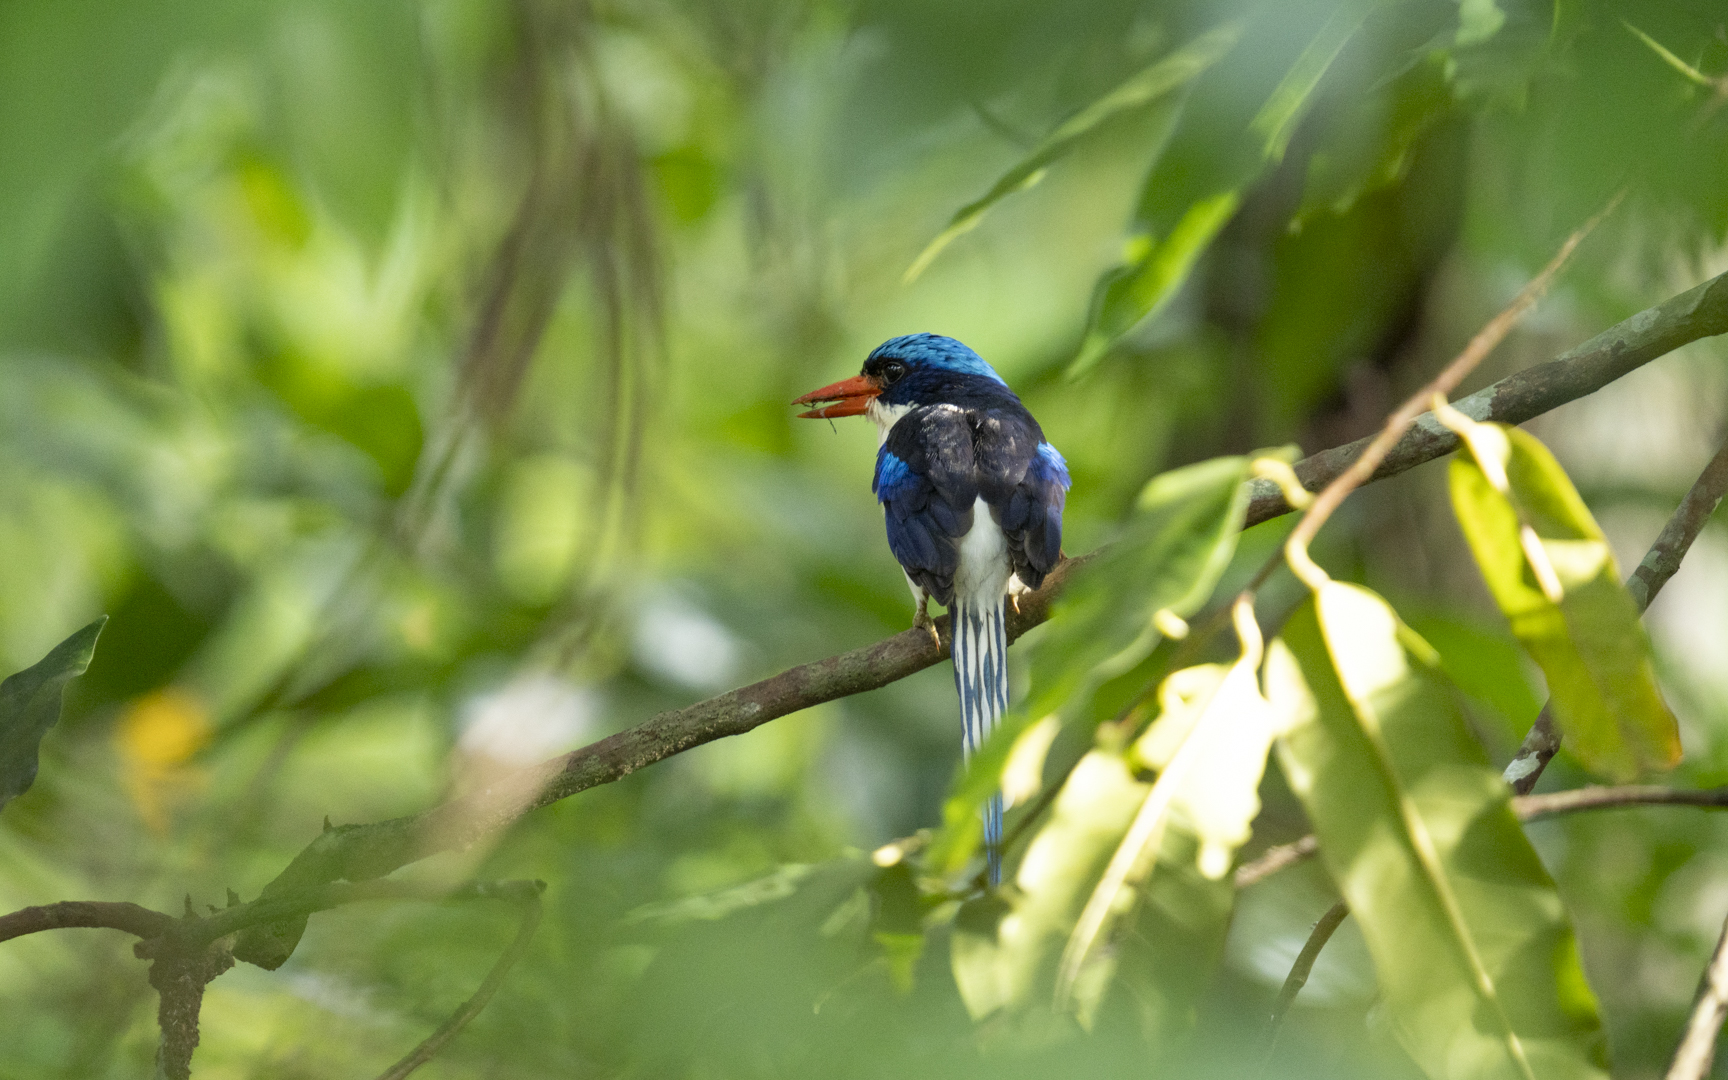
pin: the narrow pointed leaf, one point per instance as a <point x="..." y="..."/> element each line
<point x="1277" y="119"/>
<point x="1590" y="643"/>
<point x="1194" y="188"/>
<point x="30" y="705"/>
<point x="1158" y="80"/>
<point x="1477" y="963"/>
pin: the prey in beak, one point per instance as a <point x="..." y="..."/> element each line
<point x="851" y="397"/>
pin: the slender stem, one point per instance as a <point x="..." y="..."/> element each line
<point x="1548" y="804"/>
<point x="420" y="1055"/>
<point x="133" y="919"/>
<point x="1697" y="1049"/>
<point x="1298" y="977"/>
<point x="1527" y="807"/>
<point x="1274" y="859"/>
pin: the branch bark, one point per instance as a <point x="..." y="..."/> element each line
<point x="131" y="918"/>
<point x="1699" y="312"/>
<point x="359" y="852"/>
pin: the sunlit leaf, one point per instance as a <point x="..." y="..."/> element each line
<point x="1534" y="539"/>
<point x="1209" y="745"/>
<point x="1478" y="20"/>
<point x="1219" y="798"/>
<point x="1475" y="957"/>
<point x="30" y="705"/>
<point x="997" y="964"/>
<point x="1167" y="75"/>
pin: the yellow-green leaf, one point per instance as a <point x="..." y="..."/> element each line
<point x="1552" y="573"/>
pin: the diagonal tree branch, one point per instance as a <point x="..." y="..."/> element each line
<point x="359" y="852"/>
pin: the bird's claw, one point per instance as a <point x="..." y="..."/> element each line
<point x="921" y="620"/>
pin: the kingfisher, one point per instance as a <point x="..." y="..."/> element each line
<point x="972" y="495"/>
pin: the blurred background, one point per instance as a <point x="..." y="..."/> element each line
<point x="408" y="383"/>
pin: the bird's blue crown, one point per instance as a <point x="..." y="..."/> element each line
<point x="935" y="351"/>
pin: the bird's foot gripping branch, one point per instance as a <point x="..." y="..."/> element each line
<point x="1141" y="823"/>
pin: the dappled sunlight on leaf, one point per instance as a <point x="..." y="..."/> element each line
<point x="1472" y="947"/>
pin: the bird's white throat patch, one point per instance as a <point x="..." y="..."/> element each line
<point x="884" y="417"/>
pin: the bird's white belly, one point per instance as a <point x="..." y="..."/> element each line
<point x="982" y="577"/>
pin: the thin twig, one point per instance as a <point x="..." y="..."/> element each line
<point x="1542" y="741"/>
<point x="1548" y="804"/>
<point x="1298" y="977"/>
<point x="420" y="1055"/>
<point x="1361" y="470"/>
<point x="187" y="936"/>
<point x="1275" y="859"/>
<point x="1527" y="807"/>
<point x="1697" y="1049"/>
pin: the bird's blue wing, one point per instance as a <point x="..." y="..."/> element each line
<point x="1031" y="516"/>
<point x="926" y="482"/>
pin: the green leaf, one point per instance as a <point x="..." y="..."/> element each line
<point x="1588" y="641"/>
<point x="1164" y="77"/>
<point x="30" y="705"/>
<point x="1193" y="190"/>
<point x="1476" y="960"/>
<point x="1151" y="273"/>
<point x="1478" y="20"/>
<point x="1276" y="121"/>
<point x="998" y="961"/>
<point x="1209" y="745"/>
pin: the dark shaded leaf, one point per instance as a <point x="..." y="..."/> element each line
<point x="30" y="705"/>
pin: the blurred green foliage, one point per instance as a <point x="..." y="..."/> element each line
<point x="406" y="382"/>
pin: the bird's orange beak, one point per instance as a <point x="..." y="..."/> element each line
<point x="850" y="396"/>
